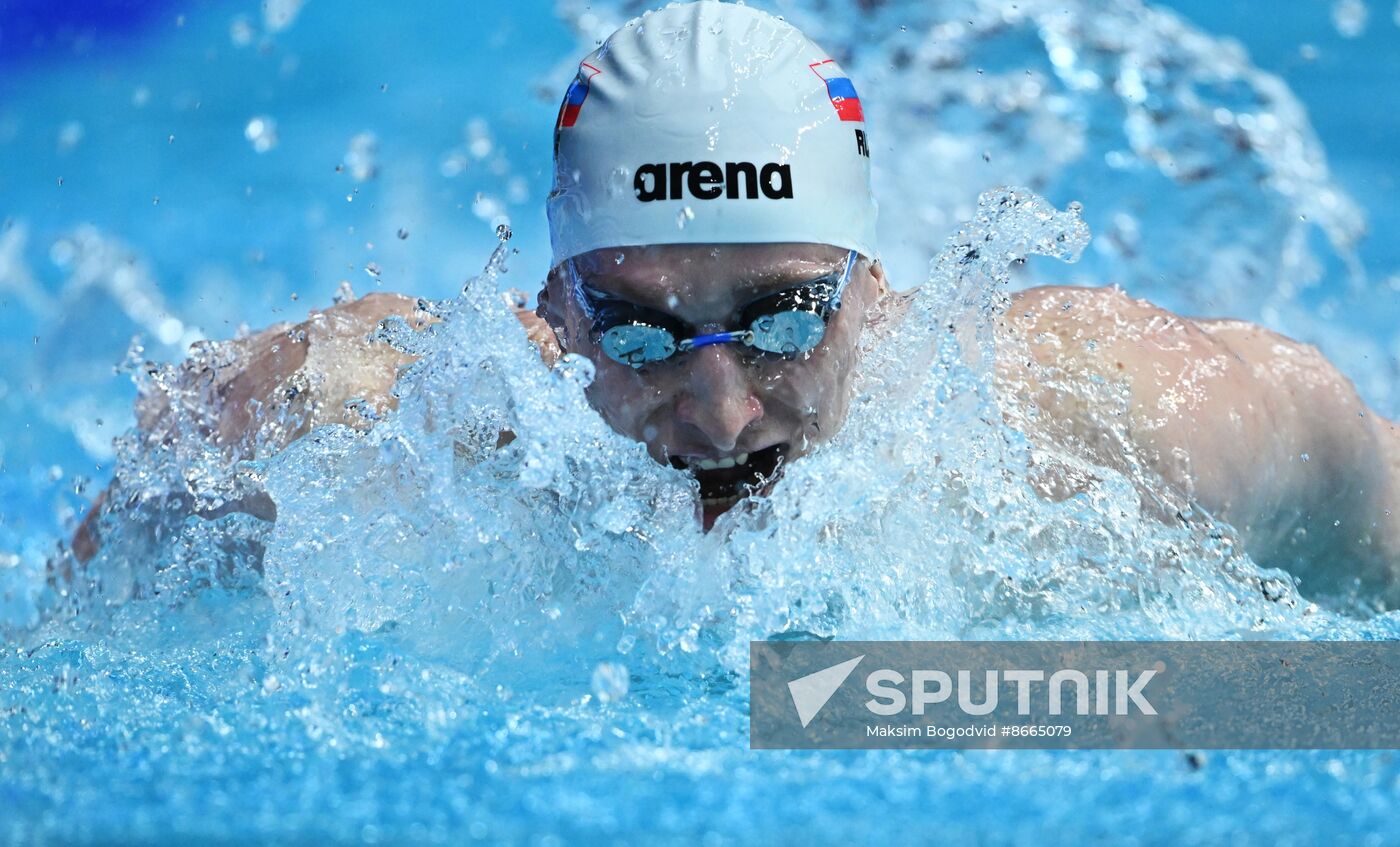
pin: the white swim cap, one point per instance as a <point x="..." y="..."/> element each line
<point x="710" y="122"/>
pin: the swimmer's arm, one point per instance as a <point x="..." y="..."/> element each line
<point x="281" y="382"/>
<point x="257" y="394"/>
<point x="1260" y="430"/>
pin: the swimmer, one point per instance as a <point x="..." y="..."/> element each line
<point x="714" y="256"/>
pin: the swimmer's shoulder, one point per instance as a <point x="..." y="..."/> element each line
<point x="372" y="309"/>
<point x="1066" y="306"/>
<point x="375" y="306"/>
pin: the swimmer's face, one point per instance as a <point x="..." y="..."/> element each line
<point x="721" y="402"/>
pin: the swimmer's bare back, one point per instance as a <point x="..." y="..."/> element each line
<point x="1258" y="430"/>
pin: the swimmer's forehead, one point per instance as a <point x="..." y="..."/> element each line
<point x="653" y="273"/>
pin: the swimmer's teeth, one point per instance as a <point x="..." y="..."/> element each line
<point x="717" y="464"/>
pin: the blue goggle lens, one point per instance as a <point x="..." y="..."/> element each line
<point x="637" y="344"/>
<point x="788" y="333"/>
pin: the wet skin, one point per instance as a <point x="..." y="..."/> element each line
<point x="727" y="400"/>
<point x="1256" y="429"/>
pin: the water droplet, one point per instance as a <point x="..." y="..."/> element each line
<point x="1350" y="17"/>
<point x="261" y="131"/>
<point x="452" y="165"/>
<point x="1305" y="457"/>
<point x="689" y="642"/>
<point x="362" y="156"/>
<point x="403" y="234"/>
<point x="155" y="201"/>
<point x="479" y="142"/>
<point x="343" y="293"/>
<point x="241" y="31"/>
<point x="487" y="207"/>
<point x="372" y="269"/>
<point x="69" y="135"/>
<point x="610" y="682"/>
<point x="619" y="181"/>
<point x="170" y="140"/>
<point x="684" y="216"/>
<point x="279" y="14"/>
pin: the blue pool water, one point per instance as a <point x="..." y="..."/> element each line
<point x="535" y="644"/>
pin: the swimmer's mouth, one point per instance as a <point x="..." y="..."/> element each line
<point x="726" y="480"/>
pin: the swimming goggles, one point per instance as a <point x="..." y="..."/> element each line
<point x="788" y="323"/>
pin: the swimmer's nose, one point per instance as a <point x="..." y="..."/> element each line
<point x="718" y="400"/>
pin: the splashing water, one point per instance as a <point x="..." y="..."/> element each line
<point x="448" y="633"/>
<point x="511" y="619"/>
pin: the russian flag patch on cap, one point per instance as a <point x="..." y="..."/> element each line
<point x="578" y="92"/>
<point x="840" y="89"/>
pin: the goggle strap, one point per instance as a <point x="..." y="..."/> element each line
<point x="845" y="279"/>
<point x="580" y="294"/>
